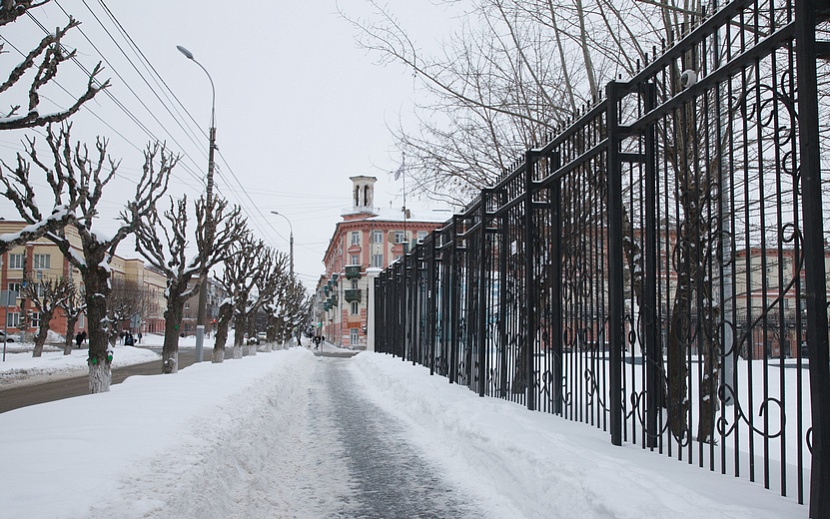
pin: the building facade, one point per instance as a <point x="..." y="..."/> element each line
<point x="364" y="243"/>
<point x="41" y="259"/>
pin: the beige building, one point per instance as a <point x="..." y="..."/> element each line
<point x="41" y="259"/>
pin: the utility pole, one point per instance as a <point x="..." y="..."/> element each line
<point x="209" y="223"/>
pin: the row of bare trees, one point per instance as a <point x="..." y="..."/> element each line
<point x="170" y="240"/>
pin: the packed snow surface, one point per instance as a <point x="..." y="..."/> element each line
<point x="252" y="438"/>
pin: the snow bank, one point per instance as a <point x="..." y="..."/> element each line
<point x="150" y="432"/>
<point x="545" y="466"/>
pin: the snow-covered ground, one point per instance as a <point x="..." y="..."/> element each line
<point x="171" y="445"/>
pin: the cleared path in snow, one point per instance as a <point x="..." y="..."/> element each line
<point x="387" y="476"/>
<point x="308" y="445"/>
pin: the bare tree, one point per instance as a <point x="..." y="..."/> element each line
<point x="163" y="241"/>
<point x="519" y="70"/>
<point x="274" y="275"/>
<point x="73" y="306"/>
<point x="47" y="295"/>
<point x="243" y="267"/>
<point x="126" y="300"/>
<point x="51" y="54"/>
<point x="73" y="173"/>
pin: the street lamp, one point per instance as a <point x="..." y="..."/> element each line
<point x="290" y="242"/>
<point x="209" y="223"/>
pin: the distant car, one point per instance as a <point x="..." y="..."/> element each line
<point x="11" y="338"/>
<point x="262" y="336"/>
<point x="252" y="340"/>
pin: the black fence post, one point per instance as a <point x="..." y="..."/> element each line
<point x="615" y="264"/>
<point x="653" y="349"/>
<point x="815" y="290"/>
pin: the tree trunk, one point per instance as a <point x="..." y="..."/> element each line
<point x="42" y="333"/>
<point x="172" y="327"/>
<point x="71" y="322"/>
<point x="100" y="357"/>
<point x="677" y="403"/>
<point x="100" y="376"/>
<point x="239" y="336"/>
<point x="225" y="314"/>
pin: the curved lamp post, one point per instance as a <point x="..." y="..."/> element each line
<point x="209" y="223"/>
<point x="290" y="242"/>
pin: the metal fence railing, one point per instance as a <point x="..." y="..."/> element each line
<point x="658" y="269"/>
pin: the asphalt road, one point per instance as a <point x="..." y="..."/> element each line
<point x="23" y="396"/>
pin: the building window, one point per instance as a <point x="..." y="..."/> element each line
<point x="354" y="337"/>
<point x="355" y="308"/>
<point x="35" y="321"/>
<point x="377" y="236"/>
<point x="422" y="235"/>
<point x="15" y="287"/>
<point x="356" y="238"/>
<point x="355" y="259"/>
<point x="354" y="284"/>
<point x="377" y="261"/>
<point x="41" y="261"/>
<point x="399" y="237"/>
<point x="16" y="261"/>
<point x="14" y="320"/>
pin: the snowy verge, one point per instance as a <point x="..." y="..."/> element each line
<point x="111" y="454"/>
<point x="545" y="466"/>
<point x="20" y="368"/>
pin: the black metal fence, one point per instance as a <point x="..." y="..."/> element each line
<point x="658" y="269"/>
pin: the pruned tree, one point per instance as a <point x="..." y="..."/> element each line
<point x="243" y="267"/>
<point x="47" y="295"/>
<point x="51" y="53"/>
<point x="72" y="306"/>
<point x="43" y="62"/>
<point x="127" y="298"/>
<point x="274" y="275"/>
<point x="78" y="179"/>
<point x="163" y="241"/>
<point x="289" y="311"/>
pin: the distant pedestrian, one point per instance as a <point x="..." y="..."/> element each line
<point x="139" y="337"/>
<point x="80" y="338"/>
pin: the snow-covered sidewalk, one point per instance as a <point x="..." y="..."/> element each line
<point x="196" y="443"/>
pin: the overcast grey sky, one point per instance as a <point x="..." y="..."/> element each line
<point x="299" y="107"/>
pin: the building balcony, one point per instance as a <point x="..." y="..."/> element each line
<point x="352" y="294"/>
<point x="353" y="271"/>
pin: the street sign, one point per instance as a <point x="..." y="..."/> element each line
<point x="8" y="298"/>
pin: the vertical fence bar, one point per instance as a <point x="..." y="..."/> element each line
<point x="615" y="265"/>
<point x="814" y="256"/>
<point x="504" y="233"/>
<point x="483" y="287"/>
<point x="556" y="284"/>
<point x="455" y="284"/>
<point x="527" y="338"/>
<point x="431" y="294"/>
